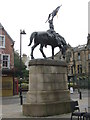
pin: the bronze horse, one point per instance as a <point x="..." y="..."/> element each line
<point x="44" y="39"/>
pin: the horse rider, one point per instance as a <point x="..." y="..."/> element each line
<point x="51" y="31"/>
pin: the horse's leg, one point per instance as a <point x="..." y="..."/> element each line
<point x="52" y="52"/>
<point x="41" y="49"/>
<point x="32" y="49"/>
<point x="62" y="51"/>
<point x="60" y="48"/>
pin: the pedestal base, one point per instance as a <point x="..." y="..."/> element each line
<point x="46" y="109"/>
<point x="48" y="90"/>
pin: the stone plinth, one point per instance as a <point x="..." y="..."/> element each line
<point x="48" y="90"/>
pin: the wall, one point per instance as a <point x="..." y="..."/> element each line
<point x="8" y="48"/>
<point x="7" y="85"/>
<point x="7" y="76"/>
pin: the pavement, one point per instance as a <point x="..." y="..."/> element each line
<point x="11" y="108"/>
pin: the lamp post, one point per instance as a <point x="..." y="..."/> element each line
<point x="22" y="32"/>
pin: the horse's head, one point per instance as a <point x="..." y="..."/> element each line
<point x="64" y="43"/>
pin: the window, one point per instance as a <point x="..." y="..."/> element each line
<point x="0" y="62"/>
<point x="78" y="56"/>
<point x="79" y="69"/>
<point x="2" y="41"/>
<point x="89" y="56"/>
<point x="72" y="69"/>
<point x="89" y="69"/>
<point x="0" y="58"/>
<point x="5" y="61"/>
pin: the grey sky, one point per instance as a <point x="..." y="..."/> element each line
<point x="88" y="17"/>
<point x="72" y="21"/>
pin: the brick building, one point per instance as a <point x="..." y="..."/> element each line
<point x="6" y="62"/>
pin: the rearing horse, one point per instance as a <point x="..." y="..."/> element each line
<point x="44" y="39"/>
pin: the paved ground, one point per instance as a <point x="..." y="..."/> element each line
<point x="11" y="107"/>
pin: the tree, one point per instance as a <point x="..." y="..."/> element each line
<point x="25" y="73"/>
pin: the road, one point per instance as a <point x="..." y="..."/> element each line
<point x="11" y="105"/>
<point x="16" y="99"/>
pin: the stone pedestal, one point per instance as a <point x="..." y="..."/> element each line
<point x="48" y="90"/>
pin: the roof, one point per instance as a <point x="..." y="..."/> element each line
<point x="79" y="47"/>
<point x="1" y="27"/>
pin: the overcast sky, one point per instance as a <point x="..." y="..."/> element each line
<point x="89" y="17"/>
<point x="30" y="15"/>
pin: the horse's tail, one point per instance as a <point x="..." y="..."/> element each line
<point x="31" y="37"/>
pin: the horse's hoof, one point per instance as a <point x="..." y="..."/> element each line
<point x="45" y="58"/>
<point x="32" y="57"/>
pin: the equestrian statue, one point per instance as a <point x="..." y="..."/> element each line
<point x="49" y="37"/>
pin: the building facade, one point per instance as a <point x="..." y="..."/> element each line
<point x="78" y="61"/>
<point x="26" y="60"/>
<point x="6" y="62"/>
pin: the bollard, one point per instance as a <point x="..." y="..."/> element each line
<point x="80" y="95"/>
<point x="21" y="99"/>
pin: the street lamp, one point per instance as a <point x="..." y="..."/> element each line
<point x="22" y="32"/>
